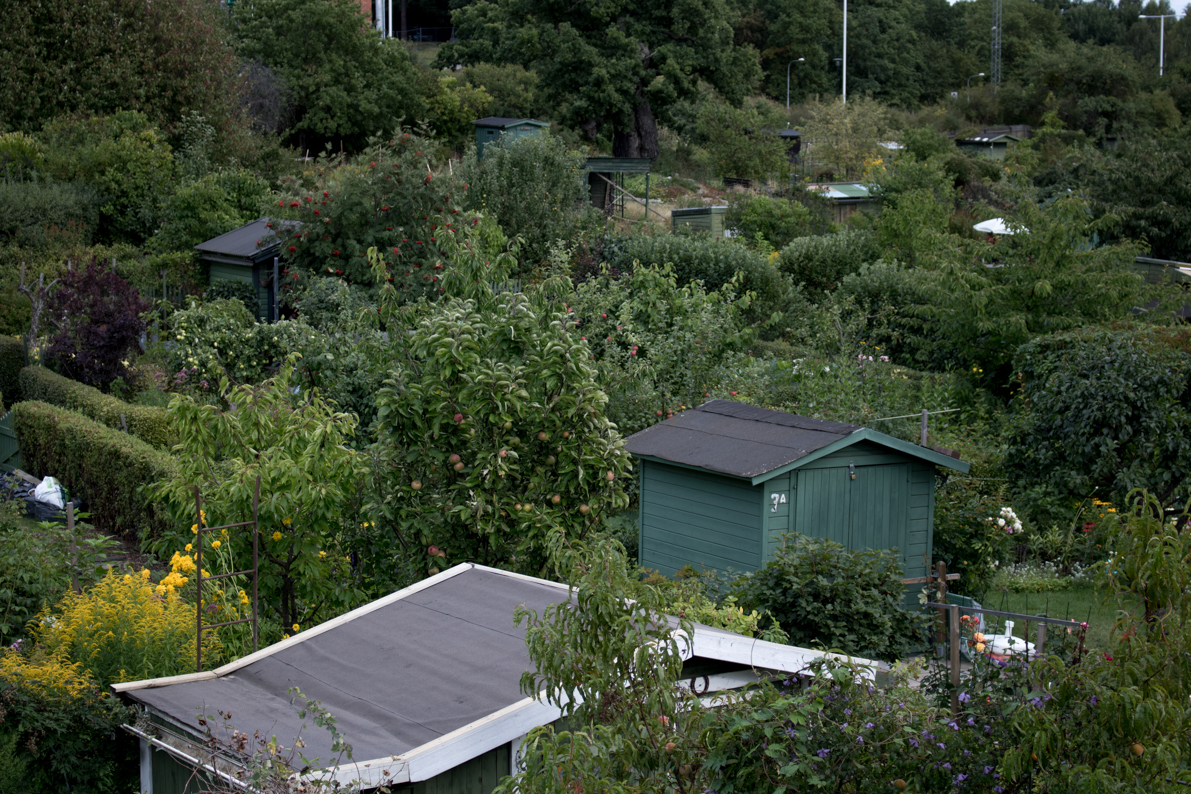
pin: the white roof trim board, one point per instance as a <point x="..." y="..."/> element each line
<point x="488" y="732"/>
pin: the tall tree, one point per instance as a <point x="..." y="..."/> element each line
<point x="343" y="82"/>
<point x="615" y="66"/>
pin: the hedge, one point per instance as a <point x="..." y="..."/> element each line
<point x="146" y="422"/>
<point x="821" y="263"/>
<point x="12" y="360"/>
<point x="712" y="261"/>
<point x="103" y="466"/>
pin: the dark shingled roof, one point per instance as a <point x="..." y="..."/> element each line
<point x="737" y="439"/>
<point x="395" y="678"/>
<point x="254" y="241"/>
<point x="500" y="121"/>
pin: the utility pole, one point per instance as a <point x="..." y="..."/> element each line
<point x="791" y="63"/>
<point x="844" y="97"/>
<point x="1161" y="38"/>
<point x="995" y="69"/>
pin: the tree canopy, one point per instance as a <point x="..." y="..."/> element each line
<point x="613" y="67"/>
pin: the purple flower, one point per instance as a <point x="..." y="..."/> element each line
<point x="971" y="722"/>
<point x="960" y="779"/>
<point x="823" y="753"/>
<point x="988" y="770"/>
<point x="967" y="752"/>
<point x="860" y="739"/>
<point x="848" y="712"/>
<point x="1093" y="700"/>
<point x="953" y="726"/>
<point x="947" y="766"/>
<point x="964" y="697"/>
<point x="842" y="727"/>
<point x="998" y="789"/>
<point x="913" y="742"/>
<point x="987" y="729"/>
<point x="940" y="745"/>
<point x="869" y="725"/>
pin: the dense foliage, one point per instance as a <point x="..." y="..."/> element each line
<point x="148" y="423"/>
<point x="843" y="599"/>
<point x="1102" y="412"/>
<point x="492" y="426"/>
<point x="98" y="317"/>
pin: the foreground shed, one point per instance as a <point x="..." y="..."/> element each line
<point x="722" y="482"/>
<point x="424" y="684"/>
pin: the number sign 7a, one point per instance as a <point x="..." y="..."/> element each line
<point x="777" y="499"/>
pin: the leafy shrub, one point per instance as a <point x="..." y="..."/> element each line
<point x="208" y="207"/>
<point x="821" y="263"/>
<point x="503" y="383"/>
<point x="965" y="539"/>
<point x="105" y="467"/>
<point x="12" y="361"/>
<point x="98" y="316"/>
<point x="388" y="198"/>
<point x="886" y="295"/>
<point x="124" y="158"/>
<point x="452" y="106"/>
<point x="1037" y="577"/>
<point x="1101" y="411"/>
<point x="123" y="629"/>
<point x="216" y="339"/>
<point x="532" y="185"/>
<point x="512" y="87"/>
<point x="67" y="728"/>
<point x="657" y="345"/>
<point x="46" y="214"/>
<point x="149" y="424"/>
<point x="299" y="446"/>
<point x="824" y="594"/>
<point x="232" y="289"/>
<point x="714" y="262"/>
<point x="777" y="220"/>
<point x="33" y="574"/>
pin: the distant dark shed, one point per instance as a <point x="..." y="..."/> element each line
<point x="246" y="254"/>
<point x="720" y="484"/>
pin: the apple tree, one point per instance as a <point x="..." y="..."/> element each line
<point x="491" y="427"/>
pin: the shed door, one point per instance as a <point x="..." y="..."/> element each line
<point x="868" y="512"/>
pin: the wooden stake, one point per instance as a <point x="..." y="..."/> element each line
<point x="74" y="550"/>
<point x="953" y="610"/>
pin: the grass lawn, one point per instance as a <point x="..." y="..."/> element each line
<point x="1079" y="603"/>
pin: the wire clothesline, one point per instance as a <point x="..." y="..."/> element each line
<point x="915" y="416"/>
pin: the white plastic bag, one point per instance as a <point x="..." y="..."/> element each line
<point x="50" y="492"/>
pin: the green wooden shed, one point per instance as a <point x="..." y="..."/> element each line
<point x="721" y="483"/>
<point x="495" y="130"/>
<point x="246" y="254"/>
<point x="707" y="219"/>
<point x="993" y="147"/>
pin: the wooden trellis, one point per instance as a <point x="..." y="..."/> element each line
<point x="199" y="578"/>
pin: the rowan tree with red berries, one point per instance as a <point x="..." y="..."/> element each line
<point x="394" y="197"/>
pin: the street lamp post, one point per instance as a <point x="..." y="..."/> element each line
<point x="791" y="63"/>
<point x="1161" y="37"/>
<point x="969" y="92"/>
<point x="844" y="97"/>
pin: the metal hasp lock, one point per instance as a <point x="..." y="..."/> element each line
<point x="852" y="470"/>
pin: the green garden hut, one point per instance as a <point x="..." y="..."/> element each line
<point x="720" y="484"/>
<point x="706" y="219"/>
<point x="494" y="130"/>
<point x="993" y="147"/>
<point x="246" y="254"/>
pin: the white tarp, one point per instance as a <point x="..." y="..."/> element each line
<point x="994" y="226"/>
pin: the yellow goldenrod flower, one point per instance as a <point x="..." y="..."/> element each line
<point x="296" y="628"/>
<point x="194" y="529"/>
<point x="286" y="521"/>
<point x="145" y="573"/>
<point x="322" y="554"/>
<point x="285" y="636"/>
<point x="189" y="547"/>
<point x="276" y="536"/>
<point x="216" y="544"/>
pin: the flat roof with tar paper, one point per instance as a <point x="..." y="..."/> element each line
<point x="395" y="677"/>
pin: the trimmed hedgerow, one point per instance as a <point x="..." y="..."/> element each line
<point x="821" y="263"/>
<point x="103" y="466"/>
<point x="12" y="360"/>
<point x="148" y="423"/>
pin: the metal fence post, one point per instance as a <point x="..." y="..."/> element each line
<point x="953" y="610"/>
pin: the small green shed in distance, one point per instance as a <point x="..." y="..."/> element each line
<point x="721" y="483"/>
<point x="707" y="219"/>
<point x="494" y="130"/>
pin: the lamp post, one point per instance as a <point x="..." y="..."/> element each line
<point x="791" y="63"/>
<point x="969" y="92"/>
<point x="1161" y="37"/>
<point x="844" y="95"/>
